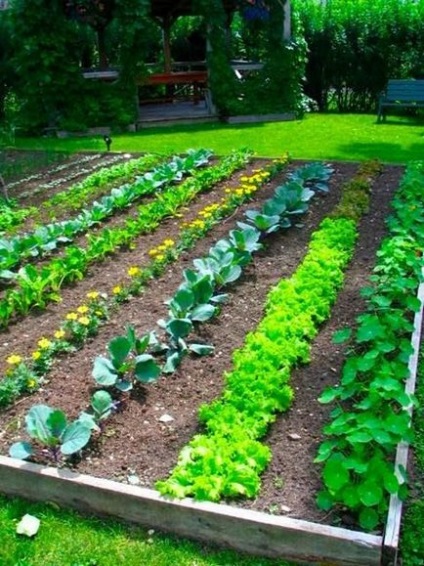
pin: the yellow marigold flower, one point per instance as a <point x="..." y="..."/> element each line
<point x="14" y="360"/>
<point x="93" y="295"/>
<point x="36" y="355"/>
<point x="153" y="252"/>
<point x="82" y="309"/>
<point x="31" y="383"/>
<point x="43" y="344"/>
<point x="161" y="248"/>
<point x="71" y="316"/>
<point x="239" y="192"/>
<point x="244" y="178"/>
<point x="134" y="271"/>
<point x="160" y="257"/>
<point x="168" y="243"/>
<point x="59" y="334"/>
<point x="117" y="289"/>
<point x="84" y="320"/>
<point x="227" y="190"/>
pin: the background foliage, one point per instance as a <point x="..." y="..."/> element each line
<point x="49" y="53"/>
<point x="355" y="46"/>
<point x="341" y="54"/>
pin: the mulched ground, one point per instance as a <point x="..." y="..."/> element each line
<point x="136" y="443"/>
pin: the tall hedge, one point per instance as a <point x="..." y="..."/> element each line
<point x="355" y="46"/>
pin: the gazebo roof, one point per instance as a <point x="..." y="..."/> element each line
<point x="175" y="8"/>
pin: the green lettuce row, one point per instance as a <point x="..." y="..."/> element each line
<point x="228" y="459"/>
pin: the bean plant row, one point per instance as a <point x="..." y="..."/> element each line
<point x="371" y="415"/>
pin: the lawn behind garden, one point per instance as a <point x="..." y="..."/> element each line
<point x="351" y="137"/>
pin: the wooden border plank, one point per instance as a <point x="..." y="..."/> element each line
<point x="394" y="517"/>
<point x="243" y="530"/>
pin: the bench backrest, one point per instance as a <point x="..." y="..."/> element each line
<point x="405" y="90"/>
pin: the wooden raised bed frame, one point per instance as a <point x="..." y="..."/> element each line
<point x="243" y="530"/>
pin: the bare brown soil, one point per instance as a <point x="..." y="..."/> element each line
<point x="136" y="442"/>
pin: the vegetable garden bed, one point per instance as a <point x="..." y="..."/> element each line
<point x="142" y="440"/>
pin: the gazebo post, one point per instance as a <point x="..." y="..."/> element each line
<point x="287" y="21"/>
<point x="167" y="22"/>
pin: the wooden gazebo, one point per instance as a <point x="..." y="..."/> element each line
<point x="194" y="80"/>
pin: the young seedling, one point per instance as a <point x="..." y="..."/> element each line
<point x="102" y="406"/>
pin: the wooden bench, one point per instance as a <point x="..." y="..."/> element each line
<point x="401" y="93"/>
<point x="194" y="79"/>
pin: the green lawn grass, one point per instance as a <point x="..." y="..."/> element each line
<point x="68" y="539"/>
<point x="318" y="136"/>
